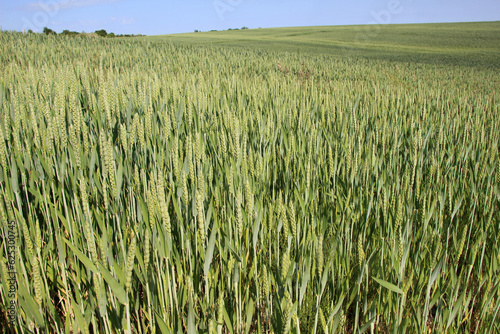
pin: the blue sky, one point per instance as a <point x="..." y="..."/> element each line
<point x="153" y="17"/>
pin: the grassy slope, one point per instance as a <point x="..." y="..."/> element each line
<point x="472" y="44"/>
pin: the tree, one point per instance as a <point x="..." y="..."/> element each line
<point x="111" y="35"/>
<point x="101" y="33"/>
<point x="48" y="31"/>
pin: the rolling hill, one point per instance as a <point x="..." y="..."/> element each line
<point x="469" y="44"/>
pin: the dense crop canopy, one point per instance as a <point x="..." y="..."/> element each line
<point x="165" y="188"/>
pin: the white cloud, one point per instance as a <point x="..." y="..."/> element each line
<point x="55" y="5"/>
<point x="123" y="20"/>
<point x="89" y="23"/>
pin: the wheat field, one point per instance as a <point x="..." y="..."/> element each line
<point x="159" y="188"/>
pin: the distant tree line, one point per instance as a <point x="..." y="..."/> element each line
<point x="243" y="28"/>
<point x="100" y="33"/>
